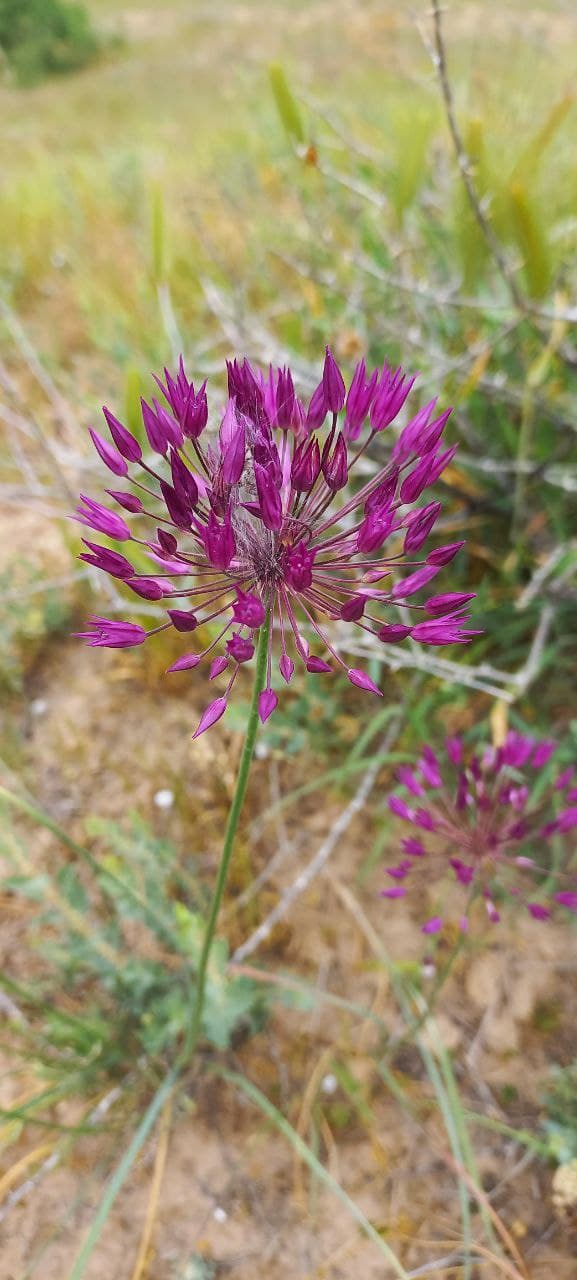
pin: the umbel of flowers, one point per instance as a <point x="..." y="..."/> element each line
<point x="268" y="520"/>
<point x="472" y="813"/>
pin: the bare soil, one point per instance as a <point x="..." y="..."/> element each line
<point x="107" y="736"/>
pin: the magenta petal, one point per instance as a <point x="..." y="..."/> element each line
<point x="420" y="525"/>
<point x="183" y="620"/>
<point x="248" y="610"/>
<point x="333" y="384"/>
<point x="409" y="780"/>
<point x="538" y="911"/>
<point x="437" y="605"/>
<point x="414" y="582"/>
<point x="543" y="752"/>
<point x="148" y="588"/>
<point x="335" y="467"/>
<point x="363" y="681"/>
<point x="567" y="820"/>
<point x="396" y="892"/>
<point x="376" y="526"/>
<point x="109" y="561"/>
<point x="414" y="847"/>
<point x="454" y="748"/>
<point x="185" y="662"/>
<point x="393" y="633"/>
<point x="401" y="809"/>
<point x="269" y="498"/>
<point x="443" y="555"/>
<point x="434" y="925"/>
<point x="219" y="541"/>
<point x="318" y="408"/>
<point x="210" y="716"/>
<point x="354" y="607"/>
<point x="298" y="567"/>
<point x="127" y="500"/>
<point x="286" y="667"/>
<point x="305" y="467"/>
<point x="317" y="666"/>
<point x="240" y="649"/>
<point x="464" y="873"/>
<point x="112" y="633"/>
<point x="566" y="899"/>
<point x="267" y="703"/>
<point x="233" y="457"/>
<point x="95" y="516"/>
<point x="401" y="870"/>
<point x="219" y="665"/>
<point x="110" y="456"/>
<point x="125" y="442"/>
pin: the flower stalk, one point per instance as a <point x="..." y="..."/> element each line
<point x="195" y="1024"/>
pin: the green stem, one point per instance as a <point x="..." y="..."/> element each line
<point x="193" y="1031"/>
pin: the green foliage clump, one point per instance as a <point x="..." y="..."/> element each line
<point x="45" y="37"/>
<point x="560" y="1122"/>
<point x="120" y="932"/>
<point x="29" y="615"/>
<point x="561" y="1112"/>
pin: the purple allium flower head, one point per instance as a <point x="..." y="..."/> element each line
<point x="271" y="519"/>
<point x="483" y="825"/>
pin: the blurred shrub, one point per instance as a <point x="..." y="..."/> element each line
<point x="45" y="37"/>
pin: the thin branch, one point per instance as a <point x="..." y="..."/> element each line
<point x="439" y="58"/>
<point x="321" y="857"/>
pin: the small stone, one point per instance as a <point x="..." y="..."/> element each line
<point x="564" y="1190"/>
<point x="164" y="799"/>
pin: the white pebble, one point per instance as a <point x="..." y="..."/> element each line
<point x="164" y="799"/>
<point x="219" y="1214"/>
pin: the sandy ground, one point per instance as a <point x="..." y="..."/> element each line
<point x="232" y="1193"/>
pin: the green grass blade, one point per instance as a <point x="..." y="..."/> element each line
<point x="454" y="1136"/>
<point x="274" y="1115"/>
<point x="285" y="104"/>
<point x="120" y="1175"/>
